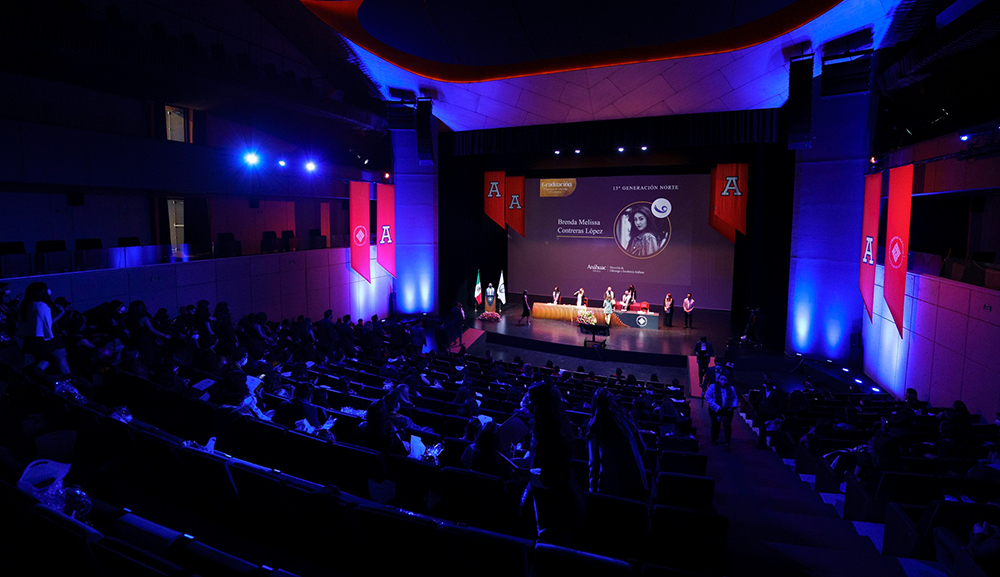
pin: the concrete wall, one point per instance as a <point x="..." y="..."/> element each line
<point x="282" y="285"/>
<point x="828" y="209"/>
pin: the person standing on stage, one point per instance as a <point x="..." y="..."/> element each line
<point x="688" y="312"/>
<point x="579" y="297"/>
<point x="609" y="307"/>
<point x="722" y="403"/>
<point x="555" y="296"/>
<point x="458" y="322"/>
<point x="668" y="310"/>
<point x="609" y="295"/>
<point x="631" y="292"/>
<point x="526" y="310"/>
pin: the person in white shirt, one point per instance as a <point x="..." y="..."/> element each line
<point x="722" y="403"/>
<point x="579" y="297"/>
<point x="688" y="312"/>
<point x="36" y="316"/>
<point x="609" y="295"/>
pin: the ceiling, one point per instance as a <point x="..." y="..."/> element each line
<point x="709" y="56"/>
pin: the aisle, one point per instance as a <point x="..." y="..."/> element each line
<point x="777" y="523"/>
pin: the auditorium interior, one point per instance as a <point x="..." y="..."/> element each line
<point x="276" y="288"/>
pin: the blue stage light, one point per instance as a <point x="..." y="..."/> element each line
<point x="621" y="149"/>
<point x="577" y="151"/>
<point x="644" y="148"/>
<point x="858" y="381"/>
<point x="310" y="166"/>
<point x="251" y="158"/>
<point x="281" y="163"/>
<point x="964" y="137"/>
<point x="845" y="369"/>
<point x="876" y="390"/>
<point x="557" y="152"/>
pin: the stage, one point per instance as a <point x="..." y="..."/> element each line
<point x="668" y="347"/>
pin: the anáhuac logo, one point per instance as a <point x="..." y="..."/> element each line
<point x="896" y="252"/>
<point x="597" y="267"/>
<point x="360" y="235"/>
<point x="641" y="321"/>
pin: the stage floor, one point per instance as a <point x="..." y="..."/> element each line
<point x="667" y="346"/>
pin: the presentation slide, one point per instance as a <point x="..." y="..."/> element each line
<point x="647" y="231"/>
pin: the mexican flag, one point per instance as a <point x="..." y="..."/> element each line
<point x="479" y="290"/>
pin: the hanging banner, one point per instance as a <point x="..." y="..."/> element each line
<point x="721" y="226"/>
<point x="729" y="186"/>
<point x="493" y="199"/>
<point x="897" y="241"/>
<point x="515" y="203"/>
<point x="360" y="195"/>
<point x="869" y="241"/>
<point x="385" y="216"/>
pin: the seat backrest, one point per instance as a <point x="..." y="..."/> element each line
<point x="11" y="247"/>
<point x="126" y="241"/>
<point x="268" y="235"/>
<point x="50" y="246"/>
<point x="88" y="243"/>
<point x="288" y="234"/>
<point x="692" y="491"/>
<point x="558" y="561"/>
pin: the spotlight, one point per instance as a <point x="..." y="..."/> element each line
<point x="876" y="390"/>
<point x="281" y="163"/>
<point x="644" y="148"/>
<point x="798" y="354"/>
<point x="251" y="158"/>
<point x="621" y="149"/>
<point x="366" y="161"/>
<point x="557" y="152"/>
<point x="873" y="160"/>
<point x="964" y="137"/>
<point x="310" y="166"/>
<point x="845" y="369"/>
<point x="386" y="175"/>
<point x="858" y="381"/>
<point x="577" y="151"/>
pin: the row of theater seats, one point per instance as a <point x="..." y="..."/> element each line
<point x="269" y="516"/>
<point x="676" y="470"/>
<point x="910" y="504"/>
<point x="52" y="256"/>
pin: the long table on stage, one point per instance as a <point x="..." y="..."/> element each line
<point x="638" y="320"/>
<point x="630" y="319"/>
<point x="564" y="312"/>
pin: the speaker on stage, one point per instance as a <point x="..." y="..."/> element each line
<point x="425" y="140"/>
<point x="799" y="105"/>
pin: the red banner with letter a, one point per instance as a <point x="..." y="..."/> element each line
<point x="869" y="241"/>
<point x="385" y="217"/>
<point x="730" y="190"/>
<point x="493" y="199"/>
<point x="722" y="227"/>
<point x="515" y="203"/>
<point x="897" y="240"/>
<point x="360" y="193"/>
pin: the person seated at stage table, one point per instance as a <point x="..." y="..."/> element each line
<point x="555" y="296"/>
<point x="579" y="294"/>
<point x="628" y="297"/>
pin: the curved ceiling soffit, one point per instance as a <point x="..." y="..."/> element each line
<point x="342" y="16"/>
